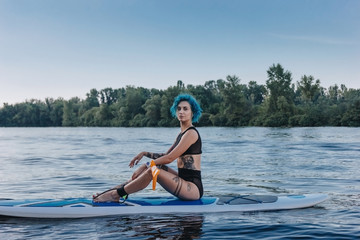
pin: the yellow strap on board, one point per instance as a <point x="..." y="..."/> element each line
<point x="155" y="172"/>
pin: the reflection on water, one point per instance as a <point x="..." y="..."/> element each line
<point x="156" y="227"/>
<point x="76" y="162"/>
<point x="134" y="227"/>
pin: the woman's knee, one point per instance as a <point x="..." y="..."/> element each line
<point x="148" y="173"/>
<point x="145" y="174"/>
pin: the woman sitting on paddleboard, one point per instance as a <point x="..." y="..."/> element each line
<point x="186" y="183"/>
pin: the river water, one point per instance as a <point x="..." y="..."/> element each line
<point x="77" y="162"/>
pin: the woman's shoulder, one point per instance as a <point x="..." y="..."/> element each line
<point x="191" y="129"/>
<point x="192" y="133"/>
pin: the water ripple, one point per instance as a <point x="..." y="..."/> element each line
<point x="77" y="162"/>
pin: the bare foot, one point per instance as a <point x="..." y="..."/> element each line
<point x="98" y="194"/>
<point x="108" y="196"/>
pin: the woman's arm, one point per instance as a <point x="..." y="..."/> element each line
<point x="143" y="167"/>
<point x="189" y="138"/>
<point x="163" y="166"/>
<point x="168" y="169"/>
<point x="153" y="155"/>
<point x="138" y="157"/>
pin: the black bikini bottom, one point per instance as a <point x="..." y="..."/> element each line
<point x="193" y="176"/>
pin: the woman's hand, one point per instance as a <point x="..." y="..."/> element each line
<point x="136" y="159"/>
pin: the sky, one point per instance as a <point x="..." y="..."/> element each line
<point x="52" y="49"/>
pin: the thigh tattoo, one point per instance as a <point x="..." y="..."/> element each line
<point x="178" y="187"/>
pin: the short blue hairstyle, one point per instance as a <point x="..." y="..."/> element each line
<point x="195" y="107"/>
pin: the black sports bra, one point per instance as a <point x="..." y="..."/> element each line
<point x="195" y="148"/>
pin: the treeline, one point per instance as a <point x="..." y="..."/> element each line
<point x="278" y="103"/>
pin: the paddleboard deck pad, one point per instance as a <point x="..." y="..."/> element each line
<point x="82" y="207"/>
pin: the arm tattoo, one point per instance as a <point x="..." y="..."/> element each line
<point x="154" y="155"/>
<point x="164" y="167"/>
<point x="188" y="162"/>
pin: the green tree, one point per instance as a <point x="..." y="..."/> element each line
<point x="56" y="111"/>
<point x="92" y="100"/>
<point x="70" y="112"/>
<point x="279" y="84"/>
<point x="108" y="96"/>
<point x="152" y="107"/>
<point x="88" y="118"/>
<point x="236" y="106"/>
<point x="310" y="89"/>
<point x="103" y="116"/>
<point x="281" y="94"/>
<point x="213" y="98"/>
<point x="224" y="103"/>
<point x="351" y="117"/>
<point x="7" y="112"/>
<point x="256" y="93"/>
<point x="334" y="94"/>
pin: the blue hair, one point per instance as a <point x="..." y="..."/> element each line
<point x="195" y="107"/>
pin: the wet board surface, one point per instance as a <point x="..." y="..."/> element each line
<point x="83" y="207"/>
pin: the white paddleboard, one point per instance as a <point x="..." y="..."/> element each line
<point x="82" y="208"/>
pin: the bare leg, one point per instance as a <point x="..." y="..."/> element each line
<point x="139" y="183"/>
<point x="135" y="185"/>
<point x="168" y="180"/>
<point x="109" y="195"/>
<point x="178" y="187"/>
<point x="116" y="187"/>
